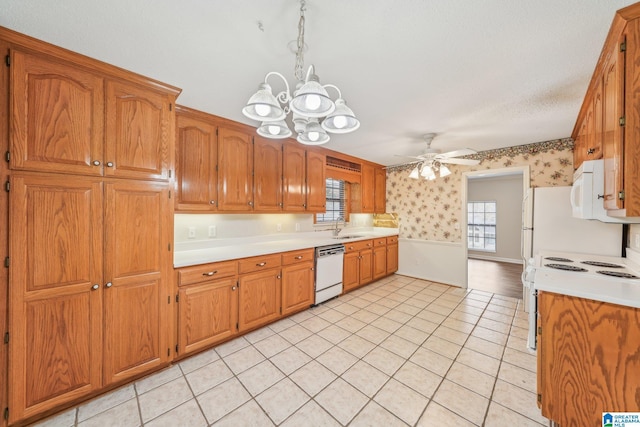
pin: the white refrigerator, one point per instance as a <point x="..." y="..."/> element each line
<point x="548" y="224"/>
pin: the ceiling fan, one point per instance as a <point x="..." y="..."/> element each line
<point x="432" y="161"/>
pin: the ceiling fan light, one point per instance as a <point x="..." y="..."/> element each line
<point x="313" y="134"/>
<point x="415" y="173"/>
<point x="263" y="106"/>
<point x="341" y="120"/>
<point x="312" y="100"/>
<point x="444" y="171"/>
<point x="426" y="170"/>
<point x="274" y="130"/>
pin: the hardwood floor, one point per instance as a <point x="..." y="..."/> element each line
<point x="501" y="278"/>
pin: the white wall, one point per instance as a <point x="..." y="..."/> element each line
<point x="506" y="191"/>
<point x="634" y="236"/>
<point x="442" y="262"/>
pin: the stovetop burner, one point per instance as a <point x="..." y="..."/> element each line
<point x="618" y="274"/>
<point x="602" y="264"/>
<point x="566" y="267"/>
<point x="559" y="259"/>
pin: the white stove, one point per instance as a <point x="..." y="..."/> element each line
<point x="602" y="278"/>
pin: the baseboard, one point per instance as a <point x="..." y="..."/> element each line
<point x="491" y="258"/>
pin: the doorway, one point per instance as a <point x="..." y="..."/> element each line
<point x="492" y="229"/>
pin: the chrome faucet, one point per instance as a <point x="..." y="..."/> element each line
<point x="337" y="230"/>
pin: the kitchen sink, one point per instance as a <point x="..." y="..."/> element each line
<point x="344" y="237"/>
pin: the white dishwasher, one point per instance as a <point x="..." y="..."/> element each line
<point x="329" y="260"/>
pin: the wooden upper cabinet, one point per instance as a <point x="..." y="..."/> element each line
<point x="368" y="188"/>
<point x="594" y="150"/>
<point x="139" y="132"/>
<point x="380" y="181"/>
<point x="55" y="320"/>
<point x="196" y="160"/>
<point x="267" y="179"/>
<point x="316" y="182"/>
<point x="137" y="272"/>
<point x="613" y="110"/>
<point x="294" y="178"/>
<point x="235" y="170"/>
<point x="57" y="116"/>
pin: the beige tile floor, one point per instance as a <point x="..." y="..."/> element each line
<point x="398" y="352"/>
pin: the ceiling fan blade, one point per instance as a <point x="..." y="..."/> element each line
<point x="456" y="161"/>
<point x="458" y="153"/>
<point x="410" y="157"/>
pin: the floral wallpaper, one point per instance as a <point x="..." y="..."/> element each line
<point x="430" y="210"/>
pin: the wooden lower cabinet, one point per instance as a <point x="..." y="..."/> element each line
<point x="379" y="262"/>
<point x="358" y="264"/>
<point x="259" y="299"/>
<point x="297" y="287"/>
<point x="392" y="254"/>
<point x="588" y="359"/>
<point x="88" y="286"/>
<point x="207" y="314"/>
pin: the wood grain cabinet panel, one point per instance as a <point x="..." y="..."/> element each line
<point x="588" y="361"/>
<point x="351" y="271"/>
<point x="235" y="170"/>
<point x="379" y="268"/>
<point x="613" y="144"/>
<point x="57" y="116"/>
<point x="208" y="314"/>
<point x="139" y="132"/>
<point x="55" y="321"/>
<point x="380" y="192"/>
<point x="368" y="188"/>
<point x="138" y="263"/>
<point x="294" y="178"/>
<point x="316" y="182"/>
<point x="196" y="162"/>
<point x="392" y="257"/>
<point x="267" y="179"/>
<point x="298" y="277"/>
<point x="259" y="299"/>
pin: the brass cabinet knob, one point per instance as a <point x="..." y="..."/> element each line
<point x="212" y="202"/>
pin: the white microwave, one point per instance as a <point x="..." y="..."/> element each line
<point x="587" y="194"/>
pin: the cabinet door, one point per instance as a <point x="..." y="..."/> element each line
<point x="380" y="180"/>
<point x="379" y="262"/>
<point x="207" y="314"/>
<point x="297" y="287"/>
<point x="55" y="320"/>
<point x="613" y="110"/>
<point x="138" y="229"/>
<point x="294" y="173"/>
<point x="368" y="188"/>
<point x="588" y="354"/>
<point x="267" y="179"/>
<point x="366" y="266"/>
<point x="235" y="170"/>
<point x="316" y="182"/>
<point x="351" y="271"/>
<point x="392" y="258"/>
<point x="196" y="161"/>
<point x="139" y="132"/>
<point x="259" y="299"/>
<point x="594" y="151"/>
<point x="57" y="116"/>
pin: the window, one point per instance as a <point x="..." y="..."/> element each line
<point x="481" y="226"/>
<point x="335" y="202"/>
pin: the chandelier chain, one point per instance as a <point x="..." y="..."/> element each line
<point x="298" y="71"/>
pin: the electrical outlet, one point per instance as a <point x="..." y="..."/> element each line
<point x="279" y="227"/>
<point x="212" y="231"/>
<point x="637" y="241"/>
<point x="192" y="233"/>
<point x="297" y="226"/>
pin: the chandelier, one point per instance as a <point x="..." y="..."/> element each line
<point x="314" y="113"/>
<point x="428" y="169"/>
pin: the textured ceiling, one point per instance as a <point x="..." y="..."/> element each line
<point x="481" y="74"/>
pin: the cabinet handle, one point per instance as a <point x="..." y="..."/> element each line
<point x="233" y="288"/>
<point x="313" y="269"/>
<point x="95" y="287"/>
<point x="210" y="273"/>
<point x="109" y="164"/>
<point x="108" y="284"/>
<point x="212" y="202"/>
<point x="298" y="257"/>
<point x="250" y="203"/>
<point x="262" y="264"/>
<point x="96" y="163"/>
<point x="304" y="205"/>
<point x="591" y="150"/>
<point x="278" y="277"/>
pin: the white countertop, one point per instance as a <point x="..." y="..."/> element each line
<point x="624" y="292"/>
<point x="213" y="250"/>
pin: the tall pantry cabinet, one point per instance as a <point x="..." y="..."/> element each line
<point x="90" y="155"/>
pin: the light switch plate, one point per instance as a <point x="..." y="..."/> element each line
<point x="212" y="231"/>
<point x="192" y="233"/>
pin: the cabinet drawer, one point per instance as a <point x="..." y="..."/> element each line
<point x="381" y="241"/>
<point x="392" y="239"/>
<point x="204" y="273"/>
<point x="295" y="257"/>
<point x="258" y="263"/>
<point x="358" y="246"/>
